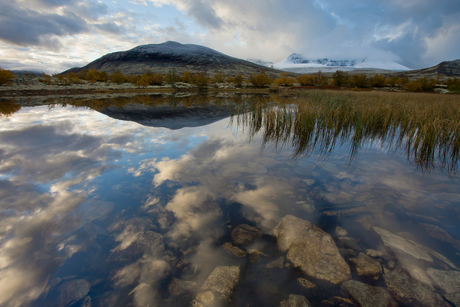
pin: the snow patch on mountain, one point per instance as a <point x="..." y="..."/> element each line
<point x="295" y="61"/>
<point x="176" y="49"/>
<point x="262" y="63"/>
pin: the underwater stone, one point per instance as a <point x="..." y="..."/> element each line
<point x="73" y="291"/>
<point x="223" y="279"/>
<point x="235" y="251"/>
<point x="410" y="291"/>
<point x="295" y="301"/>
<point x="366" y="266"/>
<point x="245" y="234"/>
<point x="366" y="295"/>
<point x="178" y="287"/>
<point x="339" y="231"/>
<point x="311" y="249"/>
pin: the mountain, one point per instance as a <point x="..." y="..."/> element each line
<point x="173" y="118"/>
<point x="262" y="63"/>
<point x="161" y="58"/>
<point x="296" y="63"/>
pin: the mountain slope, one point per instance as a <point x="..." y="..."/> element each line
<point x="172" y="55"/>
<point x="444" y="69"/>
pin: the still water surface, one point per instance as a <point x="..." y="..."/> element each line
<point x="119" y="206"/>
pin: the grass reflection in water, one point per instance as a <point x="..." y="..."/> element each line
<point x="426" y="127"/>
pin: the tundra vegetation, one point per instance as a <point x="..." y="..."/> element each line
<point x="258" y="80"/>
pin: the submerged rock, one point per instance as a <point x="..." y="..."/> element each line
<point x="448" y="282"/>
<point x="440" y="234"/>
<point x="278" y="263"/>
<point x="338" y="302"/>
<point x="366" y="221"/>
<point x="366" y="295"/>
<point x="205" y="297"/>
<point x="178" y="287"/>
<point x="222" y="280"/>
<point x="295" y="301"/>
<point x="73" y="291"/>
<point x="235" y="251"/>
<point x="311" y="249"/>
<point x="410" y="291"/>
<point x="366" y="266"/>
<point x="148" y="243"/>
<point x="245" y="234"/>
<point x="339" y="231"/>
<point x="400" y="244"/>
<point x="306" y="283"/>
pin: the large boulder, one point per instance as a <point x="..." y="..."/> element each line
<point x="366" y="295"/>
<point x="311" y="249"/>
<point x="410" y="291"/>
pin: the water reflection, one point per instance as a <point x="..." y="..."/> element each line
<point x="105" y="212"/>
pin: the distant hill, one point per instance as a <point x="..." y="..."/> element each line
<point x="163" y="57"/>
<point x="444" y="69"/>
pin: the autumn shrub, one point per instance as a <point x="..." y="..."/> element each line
<point x="377" y="81"/>
<point x="284" y="80"/>
<point x="391" y="81"/>
<point x="186" y="77"/>
<point x="237" y="80"/>
<point x="96" y="75"/>
<point x="47" y="79"/>
<point x="171" y="77"/>
<point x="5" y="76"/>
<point x="218" y="78"/>
<point x="200" y="80"/>
<point x="260" y="80"/>
<point x="118" y="78"/>
<point x="321" y="79"/>
<point x="357" y="81"/>
<point x="402" y="81"/>
<point x="148" y="78"/>
<point x="420" y="85"/>
<point x="340" y="78"/>
<point x="452" y="81"/>
<point x="305" y="80"/>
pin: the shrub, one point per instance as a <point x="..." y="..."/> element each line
<point x="377" y="81"/>
<point x="96" y="75"/>
<point x="46" y="79"/>
<point x="186" y="77"/>
<point x="391" y="81"/>
<point x="260" y="80"/>
<point x="218" y="78"/>
<point x="454" y="88"/>
<point x="402" y="81"/>
<point x="306" y="80"/>
<point x="284" y="80"/>
<point x="5" y="76"/>
<point x="171" y="77"/>
<point x="148" y="78"/>
<point x="357" y="81"/>
<point x="238" y="80"/>
<point x="321" y="79"/>
<point x="200" y="80"/>
<point x="452" y="81"/>
<point x="340" y="78"/>
<point x="420" y="85"/>
<point x="118" y="78"/>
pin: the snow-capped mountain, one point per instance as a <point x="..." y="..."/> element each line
<point x="295" y="62"/>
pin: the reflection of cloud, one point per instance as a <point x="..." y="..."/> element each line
<point x="44" y="170"/>
<point x="194" y="208"/>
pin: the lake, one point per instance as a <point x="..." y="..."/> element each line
<point x="228" y="200"/>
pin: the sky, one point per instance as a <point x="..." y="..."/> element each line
<point x="54" y="35"/>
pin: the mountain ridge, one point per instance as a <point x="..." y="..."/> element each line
<point x="163" y="57"/>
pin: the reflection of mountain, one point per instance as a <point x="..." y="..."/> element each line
<point x="169" y="117"/>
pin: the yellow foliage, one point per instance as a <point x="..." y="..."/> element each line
<point x="377" y="81"/>
<point x="118" y="78"/>
<point x="284" y="80"/>
<point x="306" y="80"/>
<point x="5" y="76"/>
<point x="357" y="81"/>
<point x="260" y="80"/>
<point x="218" y="78"/>
<point x="237" y="80"/>
<point x="46" y="79"/>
